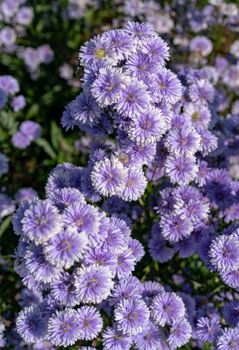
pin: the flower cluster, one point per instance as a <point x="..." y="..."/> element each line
<point x="9" y="87"/>
<point x="28" y="132"/>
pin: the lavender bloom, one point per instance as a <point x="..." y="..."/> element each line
<point x="24" y="16"/>
<point x="167" y="308"/>
<point x="93" y="283"/>
<point x="7" y="36"/>
<point x="85" y="109"/>
<point x="229" y="340"/>
<point x="201" y="45"/>
<point x="208" y="329"/>
<point x="41" y="221"/>
<point x="9" y="84"/>
<point x="90" y="322"/>
<point x="31" y="130"/>
<point x="115" y="339"/>
<point x="108" y="176"/>
<point x="166" y="86"/>
<point x="185" y="140"/>
<point x="64" y="291"/>
<point x="31" y="325"/>
<point x="66" y="248"/>
<point x="175" y="227"/>
<point x="18" y="103"/>
<point x="149" y="339"/>
<point x="224" y="253"/>
<point x="63" y="328"/>
<point x="180" y="333"/>
<point x="19" y="140"/>
<point x="45" y="53"/>
<point x="231" y="313"/>
<point x="135" y="184"/>
<point x="131" y="316"/>
<point x="7" y="206"/>
<point x="121" y="43"/>
<point x="126" y="289"/>
<point x="25" y="194"/>
<point x="3" y="164"/>
<point x="181" y="169"/>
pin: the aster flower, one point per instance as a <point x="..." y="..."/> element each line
<point x="108" y="86"/>
<point x="67" y="247"/>
<point x="41" y="221"/>
<point x="158" y="248"/>
<point x="184" y="140"/>
<point x="93" y="283"/>
<point x="157" y="48"/>
<point x="25" y="194"/>
<point x="141" y="65"/>
<point x="166" y="86"/>
<point x="90" y="322"/>
<point x="9" y="84"/>
<point x="229" y="340"/>
<point x="64" y="291"/>
<point x="180" y="333"/>
<point x="63" y="198"/>
<point x="125" y="263"/>
<point x="115" y="339"/>
<point x="149" y="339"/>
<point x="134" y="99"/>
<point x="140" y="32"/>
<point x="108" y="176"/>
<point x="148" y="127"/>
<point x="231" y="313"/>
<point x="224" y="253"/>
<point x="208" y="329"/>
<point x="199" y="115"/>
<point x="85" y="110"/>
<point x="131" y="316"/>
<point x="31" y="325"/>
<point x="126" y="289"/>
<point x="208" y="142"/>
<point x="201" y="45"/>
<point x="30" y="129"/>
<point x="136" y="248"/>
<point x="84" y="216"/>
<point x="181" y="169"/>
<point x="167" y="308"/>
<point x="96" y="52"/>
<point x="135" y="184"/>
<point x="63" y="328"/>
<point x="19" y="140"/>
<point x="120" y="42"/>
<point x="201" y="91"/>
<point x="100" y="257"/>
<point x="38" y="266"/>
<point x="175" y="227"/>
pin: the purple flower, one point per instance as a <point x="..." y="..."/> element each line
<point x="141" y="65"/>
<point x="64" y="291"/>
<point x="175" y="227"/>
<point x="231" y="278"/>
<point x="84" y="216"/>
<point x="115" y="339"/>
<point x="90" y="322"/>
<point x="63" y="198"/>
<point x="166" y="86"/>
<point x="150" y="338"/>
<point x="93" y="283"/>
<point x="108" y="176"/>
<point x="25" y="194"/>
<point x="158" y="49"/>
<point x="208" y="329"/>
<point x="85" y="110"/>
<point x="67" y="247"/>
<point x="63" y="328"/>
<point x="231" y="313"/>
<point x="158" y="248"/>
<point x="184" y="140"/>
<point x="229" y="340"/>
<point x="126" y="289"/>
<point x="121" y="43"/>
<point x="108" y="86"/>
<point x="7" y="36"/>
<point x="148" y="127"/>
<point x="31" y="130"/>
<point x="100" y="257"/>
<point x="224" y="253"/>
<point x="41" y="221"/>
<point x="199" y="115"/>
<point x="31" y="325"/>
<point x="19" y="140"/>
<point x="131" y="316"/>
<point x="180" y="333"/>
<point x="140" y="32"/>
<point x="7" y="205"/>
<point x="45" y="53"/>
<point x="9" y="84"/>
<point x="135" y="184"/>
<point x="134" y="99"/>
<point x="24" y="16"/>
<point x="136" y="248"/>
<point x="18" y="103"/>
<point x="167" y="308"/>
<point x="125" y="263"/>
<point x="181" y="169"/>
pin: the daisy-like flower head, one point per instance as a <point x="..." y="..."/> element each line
<point x="181" y="169"/>
<point x="158" y="49"/>
<point x="120" y="42"/>
<point x="150" y="338"/>
<point x="64" y="197"/>
<point x="175" y="227"/>
<point x="199" y="115"/>
<point x="126" y="289"/>
<point x="64" y="291"/>
<point x="93" y="283"/>
<point x="108" y="86"/>
<point x="140" y="32"/>
<point x="135" y="184"/>
<point x="41" y="221"/>
<point x="166" y="86"/>
<point x="148" y="127"/>
<point x="167" y="308"/>
<point x="224" y="253"/>
<point x="131" y="316"/>
<point x="90" y="322"/>
<point x="180" y="333"/>
<point x="108" y="176"/>
<point x="85" y="109"/>
<point x="63" y="328"/>
<point x="208" y="329"/>
<point x="31" y="325"/>
<point x="134" y="99"/>
<point x="67" y="247"/>
<point x="115" y="339"/>
<point x="229" y="340"/>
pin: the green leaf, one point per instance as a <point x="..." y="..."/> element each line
<point x="45" y="145"/>
<point x="4" y="225"/>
